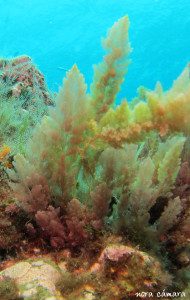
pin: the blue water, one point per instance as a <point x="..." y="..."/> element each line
<point x="59" y="33"/>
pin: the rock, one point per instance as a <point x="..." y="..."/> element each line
<point x="21" y="75"/>
<point x="118" y="271"/>
<point x="35" y="280"/>
<point x="17" y="271"/>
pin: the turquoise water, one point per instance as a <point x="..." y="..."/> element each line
<point x="59" y="33"/>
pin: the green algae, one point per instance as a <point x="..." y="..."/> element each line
<point x="9" y="290"/>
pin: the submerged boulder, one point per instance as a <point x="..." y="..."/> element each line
<point x="33" y="279"/>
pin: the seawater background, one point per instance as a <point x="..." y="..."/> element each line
<point x="59" y="33"/>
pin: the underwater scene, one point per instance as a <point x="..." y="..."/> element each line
<point x="94" y="149"/>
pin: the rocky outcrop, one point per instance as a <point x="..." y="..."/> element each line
<point x="35" y="280"/>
